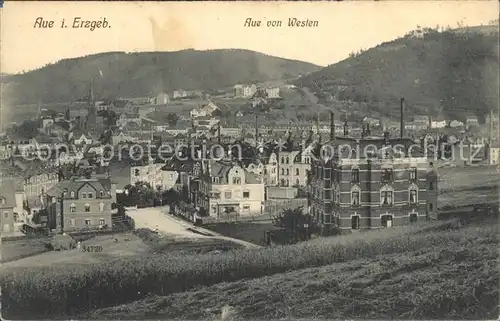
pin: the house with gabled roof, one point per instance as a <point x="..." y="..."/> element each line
<point x="81" y="204"/>
<point x="226" y="188"/>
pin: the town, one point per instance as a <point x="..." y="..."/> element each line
<point x="229" y="184"/>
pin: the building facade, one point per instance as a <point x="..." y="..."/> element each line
<point x="228" y="189"/>
<point x="381" y="190"/>
<point x="81" y="204"/>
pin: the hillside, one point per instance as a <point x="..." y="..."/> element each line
<point x="141" y="74"/>
<point x="432" y="282"/>
<point x="444" y="73"/>
<point x="414" y="272"/>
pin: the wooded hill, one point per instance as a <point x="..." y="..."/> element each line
<point x="440" y="72"/>
<point x="148" y="73"/>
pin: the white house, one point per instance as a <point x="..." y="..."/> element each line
<point x="438" y="123"/>
<point x="273" y="92"/>
<point x="230" y="189"/>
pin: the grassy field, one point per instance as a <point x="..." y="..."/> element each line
<point x="468" y="185"/>
<point x="456" y="279"/>
<point x="16" y="250"/>
<point x="64" y="291"/>
<point x="253" y="232"/>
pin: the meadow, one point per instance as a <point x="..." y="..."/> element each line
<point x="64" y="291"/>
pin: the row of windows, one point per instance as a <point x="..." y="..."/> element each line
<point x="387" y="174"/>
<point x="88" y="222"/>
<point x="297" y="171"/>
<point x="86" y="207"/>
<point x="84" y="195"/>
<point x="229" y="195"/>
<point x="386" y="196"/>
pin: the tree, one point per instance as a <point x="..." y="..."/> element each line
<point x="297" y="225"/>
<point x="28" y="129"/>
<point x="172" y="119"/>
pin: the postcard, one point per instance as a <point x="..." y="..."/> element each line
<point x="249" y="161"/>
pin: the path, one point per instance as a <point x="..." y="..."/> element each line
<point x="160" y="218"/>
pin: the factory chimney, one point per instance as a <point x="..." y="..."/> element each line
<point x="332" y="126"/>
<point x="346" y="128"/>
<point x="218" y="133"/>
<point x="401" y="120"/>
<point x="256" y="130"/>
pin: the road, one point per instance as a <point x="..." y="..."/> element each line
<point x="156" y="217"/>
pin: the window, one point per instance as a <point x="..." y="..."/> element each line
<point x="72" y="194"/>
<point x="413" y="217"/>
<point x="273" y="171"/>
<point x="288" y="160"/>
<point x="355" y="222"/>
<point x="84" y="195"/>
<point x="431" y="185"/>
<point x="297" y="172"/>
<point x="137" y="172"/>
<point x="282" y="160"/>
<point x="101" y="193"/>
<point x="287" y="171"/>
<point x="246" y="207"/>
<point x="87" y="221"/>
<point x="386" y="196"/>
<point x="413" y="174"/>
<point x="101" y="207"/>
<point x="2" y="200"/>
<point x="387" y="175"/>
<point x="282" y="171"/>
<point x="413" y="196"/>
<point x="87" y="207"/>
<point x="89" y="195"/>
<point x="355" y="175"/>
<point x="237" y="180"/>
<point x="246" y="194"/>
<point x="227" y="195"/>
<point x="386" y="220"/>
<point x="215" y="180"/>
<point x="355" y="197"/>
<point x="297" y="182"/>
<point x="5" y="214"/>
<point x="72" y="208"/>
<point x="72" y="222"/>
<point x="431" y="206"/>
<point x="102" y="222"/>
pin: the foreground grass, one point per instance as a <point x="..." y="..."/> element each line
<point x="65" y="291"/>
<point x="430" y="283"/>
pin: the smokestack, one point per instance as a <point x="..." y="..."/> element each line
<point x="332" y="126"/>
<point x="346" y="128"/>
<point x="256" y="130"/>
<point x="401" y="120"/>
<point x="218" y="133"/>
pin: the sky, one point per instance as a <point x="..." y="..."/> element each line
<point x="343" y="27"/>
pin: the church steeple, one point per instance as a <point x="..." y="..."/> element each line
<point x="91" y="91"/>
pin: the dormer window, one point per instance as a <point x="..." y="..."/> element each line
<point x="237" y="180"/>
<point x="101" y="193"/>
<point x="72" y="194"/>
<point x="215" y="180"/>
<point x="2" y="200"/>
